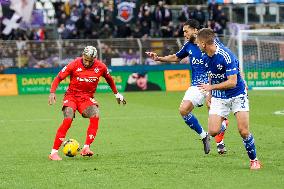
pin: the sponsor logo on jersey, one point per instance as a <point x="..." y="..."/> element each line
<point x="79" y="70"/>
<point x="216" y="76"/>
<point x="88" y="79"/>
<point x="196" y="61"/>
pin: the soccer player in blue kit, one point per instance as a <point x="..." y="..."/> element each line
<point x="228" y="91"/>
<point x="193" y="96"/>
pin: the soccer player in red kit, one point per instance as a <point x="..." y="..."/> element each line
<point x="84" y="74"/>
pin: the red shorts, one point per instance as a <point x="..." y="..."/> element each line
<point x="79" y="102"/>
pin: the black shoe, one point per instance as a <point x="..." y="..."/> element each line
<point x="206" y="143"/>
<point x="221" y="148"/>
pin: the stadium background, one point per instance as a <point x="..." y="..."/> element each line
<point x="145" y="144"/>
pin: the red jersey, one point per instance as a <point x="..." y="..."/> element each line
<point x="83" y="80"/>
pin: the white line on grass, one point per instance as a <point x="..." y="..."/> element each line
<point x="281" y="112"/>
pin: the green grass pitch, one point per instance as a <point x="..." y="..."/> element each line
<point x="144" y="144"/>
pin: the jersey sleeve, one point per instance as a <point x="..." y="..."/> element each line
<point x="232" y="67"/>
<point x="109" y="80"/>
<point x="182" y="53"/>
<point x="61" y="76"/>
<point x="67" y="70"/>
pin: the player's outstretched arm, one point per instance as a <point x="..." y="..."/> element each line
<point x="118" y="96"/>
<point x="168" y="58"/>
<point x="54" y="85"/>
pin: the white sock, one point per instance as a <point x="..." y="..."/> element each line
<point x="224" y="124"/>
<point x="222" y="142"/>
<point x="53" y="151"/>
<point x="203" y="134"/>
<point x="86" y="146"/>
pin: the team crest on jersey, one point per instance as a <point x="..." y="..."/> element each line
<point x="96" y="70"/>
<point x="219" y="66"/>
<point x="125" y="11"/>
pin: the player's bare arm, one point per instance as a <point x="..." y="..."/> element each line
<point x="119" y="97"/>
<point x="168" y="58"/>
<point x="51" y="98"/>
<point x="230" y="83"/>
<point x="91" y="111"/>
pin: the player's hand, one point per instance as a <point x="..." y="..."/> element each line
<point x="204" y="88"/>
<point x="51" y="98"/>
<point x="120" y="98"/>
<point x="152" y="55"/>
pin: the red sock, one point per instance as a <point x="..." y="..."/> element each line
<point x="92" y="130"/>
<point x="61" y="133"/>
<point x="219" y="137"/>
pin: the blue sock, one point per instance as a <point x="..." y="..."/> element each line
<point x="223" y="127"/>
<point x="192" y="122"/>
<point x="250" y="147"/>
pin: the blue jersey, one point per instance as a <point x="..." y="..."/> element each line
<point x="198" y="67"/>
<point x="221" y="65"/>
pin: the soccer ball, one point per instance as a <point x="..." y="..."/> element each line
<point x="71" y="147"/>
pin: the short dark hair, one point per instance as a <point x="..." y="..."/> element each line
<point x="207" y="35"/>
<point x="192" y="23"/>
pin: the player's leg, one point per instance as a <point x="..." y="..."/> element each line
<point x="68" y="113"/>
<point x="218" y="112"/>
<point x="219" y="138"/>
<point x="192" y="98"/>
<point x="240" y="107"/>
<point x="89" y="109"/>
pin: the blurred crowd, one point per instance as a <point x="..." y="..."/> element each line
<point x="93" y="19"/>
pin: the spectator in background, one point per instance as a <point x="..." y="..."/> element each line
<point x="212" y="8"/>
<point x="222" y="19"/>
<point x="137" y="33"/>
<point x="215" y="26"/>
<point x="124" y="31"/>
<point x="185" y="14"/>
<point x="167" y="30"/>
<point x="144" y="15"/>
<point x="88" y="23"/>
<point x="199" y="15"/>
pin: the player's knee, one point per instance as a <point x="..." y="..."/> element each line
<point x="244" y="132"/>
<point x="183" y="111"/>
<point x="68" y="112"/>
<point x="213" y="131"/>
<point x="91" y="111"/>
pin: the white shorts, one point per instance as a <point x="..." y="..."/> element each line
<point x="223" y="107"/>
<point x="195" y="96"/>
